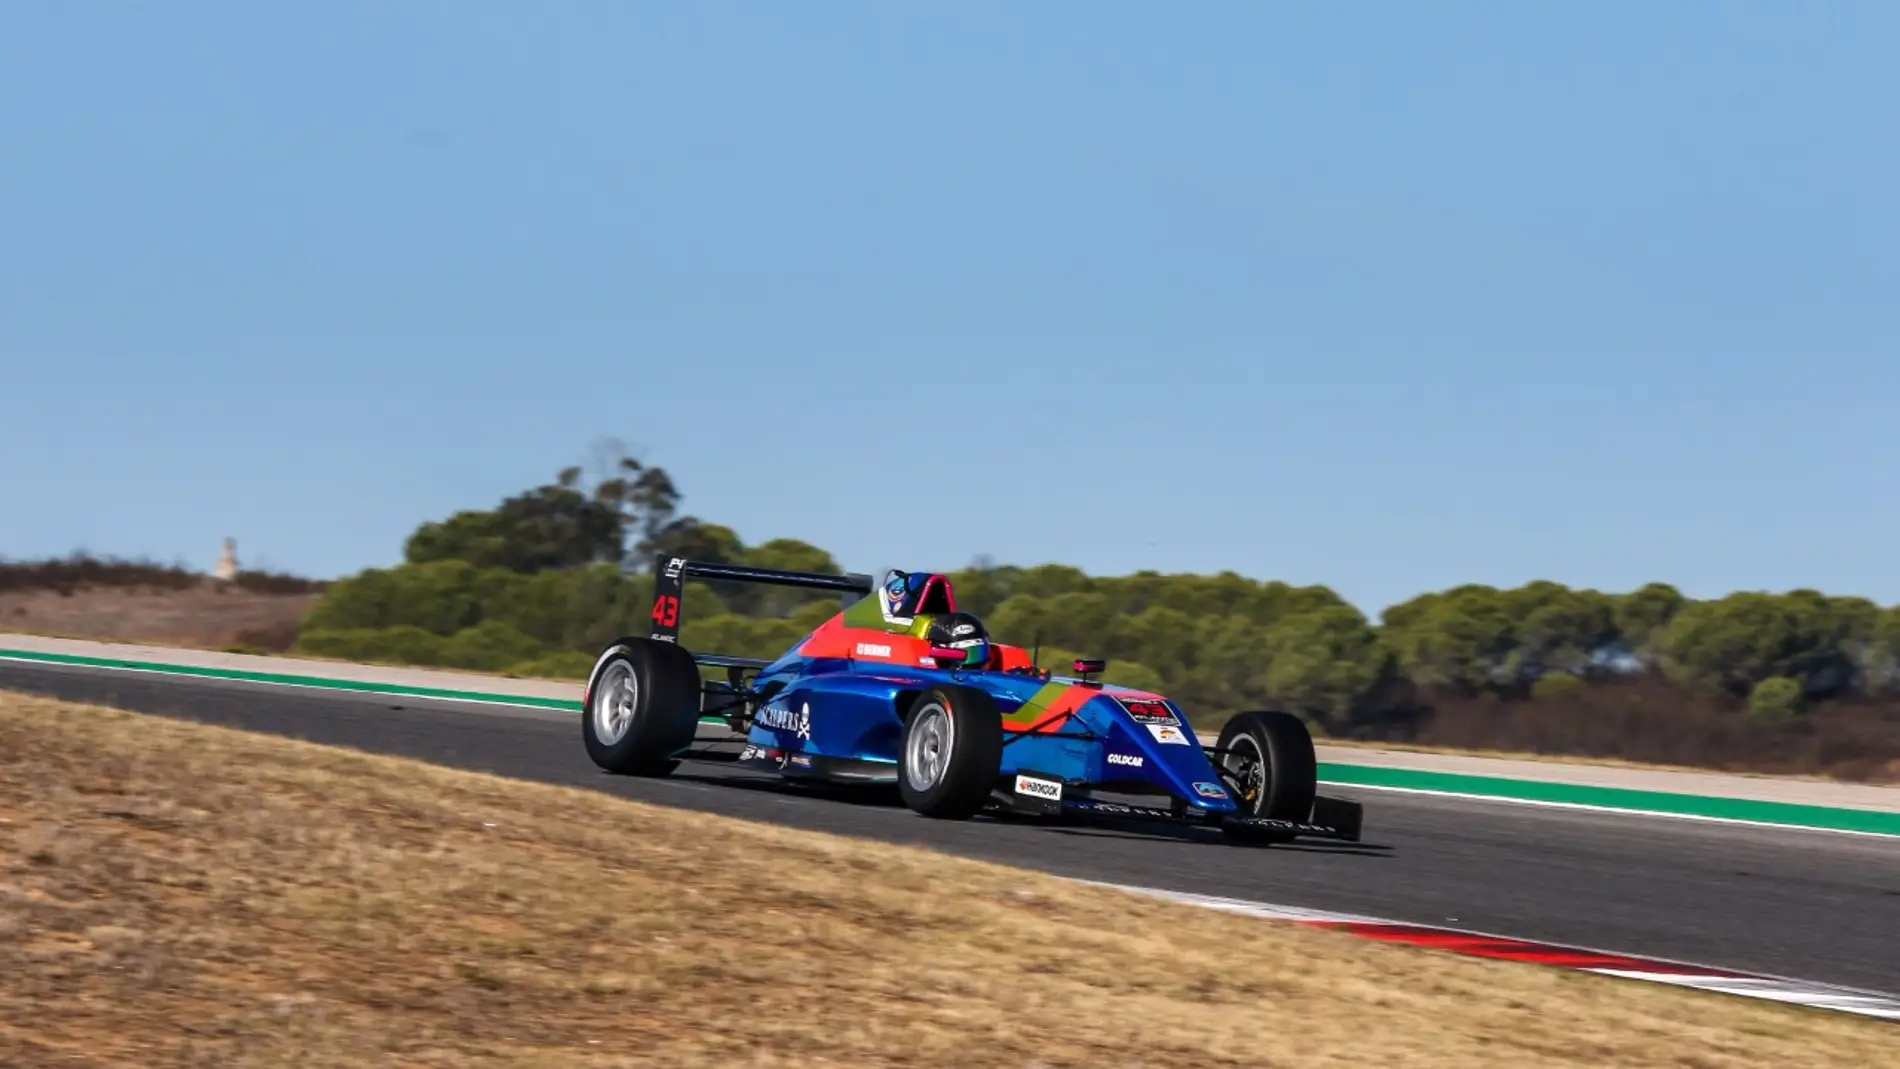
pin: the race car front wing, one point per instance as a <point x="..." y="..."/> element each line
<point x="1331" y="818"/>
<point x="1347" y="833"/>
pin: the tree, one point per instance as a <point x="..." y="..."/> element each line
<point x="1560" y="630"/>
<point x="1326" y="664"/>
<point x="550" y="573"/>
<point x="1641" y="616"/>
<point x="1877" y="656"/>
<point x="1775" y="700"/>
<point x="643" y="498"/>
<point x="1730" y="644"/>
<point x="1462" y="638"/>
<point x="781" y="554"/>
<point x="983" y="585"/>
<point x="563" y="524"/>
<point x="694" y="539"/>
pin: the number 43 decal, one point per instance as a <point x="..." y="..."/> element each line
<point x="666" y="610"/>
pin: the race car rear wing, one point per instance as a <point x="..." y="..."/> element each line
<point x="669" y="589"/>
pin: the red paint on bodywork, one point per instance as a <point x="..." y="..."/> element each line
<point x="835" y="639"/>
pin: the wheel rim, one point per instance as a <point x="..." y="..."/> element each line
<point x="1251" y="775"/>
<point x="927" y="752"/>
<point x="615" y="700"/>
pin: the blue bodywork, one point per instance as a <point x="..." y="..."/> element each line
<point x="833" y="708"/>
<point x="842" y="719"/>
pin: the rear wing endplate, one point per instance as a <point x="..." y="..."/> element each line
<point x="669" y="589"/>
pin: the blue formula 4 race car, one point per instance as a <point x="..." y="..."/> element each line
<point x="900" y="688"/>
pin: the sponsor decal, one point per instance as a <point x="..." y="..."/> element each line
<point x="1039" y="788"/>
<point x="800" y="760"/>
<point x="1147" y="710"/>
<point x="666" y="611"/>
<point x="962" y="629"/>
<point x="675" y="567"/>
<point x="781" y="718"/>
<point x="872" y="649"/>
<point x="1124" y="759"/>
<point x="758" y="753"/>
<point x="1210" y="790"/>
<point x="1167" y="733"/>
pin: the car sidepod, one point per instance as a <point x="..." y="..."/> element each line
<point x="838" y="725"/>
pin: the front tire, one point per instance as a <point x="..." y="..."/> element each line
<point x="949" y="753"/>
<point x="1268" y="762"/>
<point x="641" y="707"/>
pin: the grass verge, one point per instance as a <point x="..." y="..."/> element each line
<point x="173" y="894"/>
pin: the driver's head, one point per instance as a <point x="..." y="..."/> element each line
<point x="960" y="630"/>
<point x="897" y="593"/>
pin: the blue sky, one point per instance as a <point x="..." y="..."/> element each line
<point x="1383" y="296"/>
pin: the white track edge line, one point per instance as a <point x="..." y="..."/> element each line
<point x="1625" y="811"/>
<point x="345" y="689"/>
<point x="1758" y="986"/>
<point x="1272" y="911"/>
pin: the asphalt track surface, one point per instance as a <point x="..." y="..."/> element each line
<point x="1807" y="905"/>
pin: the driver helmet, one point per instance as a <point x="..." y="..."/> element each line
<point x="960" y="630"/>
<point x="897" y="590"/>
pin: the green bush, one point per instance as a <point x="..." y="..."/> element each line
<point x="1556" y="685"/>
<point x="564" y="665"/>
<point x="1775" y="700"/>
<point x="489" y="646"/>
<point x="1131" y="674"/>
<point x="542" y="581"/>
<point x="402" y="644"/>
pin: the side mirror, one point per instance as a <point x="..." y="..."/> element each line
<point x="948" y="657"/>
<point x="1087" y="666"/>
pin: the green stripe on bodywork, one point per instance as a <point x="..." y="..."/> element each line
<point x="1337" y="773"/>
<point x="1638" y="801"/>
<point x="868" y="613"/>
<point x="1033" y="709"/>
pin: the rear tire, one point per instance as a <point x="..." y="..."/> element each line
<point x="949" y="753"/>
<point x="641" y="707"/>
<point x="1274" y="774"/>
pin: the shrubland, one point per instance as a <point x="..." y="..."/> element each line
<point x="1795" y="681"/>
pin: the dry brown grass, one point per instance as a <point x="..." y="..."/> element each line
<point x="178" y="895"/>
<point x="204" y="616"/>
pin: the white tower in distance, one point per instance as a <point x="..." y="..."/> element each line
<point x="227" y="567"/>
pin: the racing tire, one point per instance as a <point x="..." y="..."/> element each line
<point x="1277" y="780"/>
<point x="949" y="753"/>
<point x="641" y="707"/>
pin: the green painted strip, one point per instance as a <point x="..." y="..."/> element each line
<point x="1809" y="816"/>
<point x="285" y="679"/>
<point x="288" y="680"/>
<point x="1694" y="805"/>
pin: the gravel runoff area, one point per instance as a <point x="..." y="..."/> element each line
<point x="1789" y="789"/>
